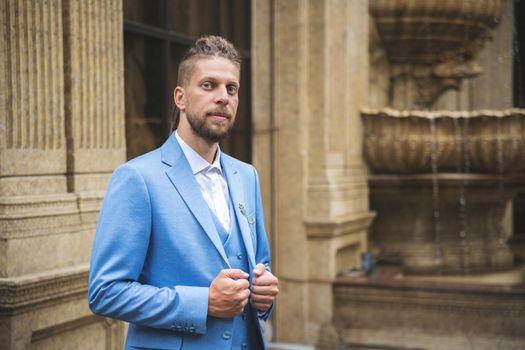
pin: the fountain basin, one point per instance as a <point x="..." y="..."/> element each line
<point x="430" y="31"/>
<point x="440" y="185"/>
<point x="407" y="142"/>
<point x="457" y="230"/>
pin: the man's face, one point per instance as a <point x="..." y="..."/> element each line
<point x="211" y="98"/>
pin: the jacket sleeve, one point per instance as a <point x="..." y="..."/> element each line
<point x="117" y="259"/>
<point x="262" y="255"/>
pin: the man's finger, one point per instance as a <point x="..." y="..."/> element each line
<point x="261" y="306"/>
<point x="234" y="274"/>
<point x="265" y="290"/>
<point x="267" y="299"/>
<point x="259" y="269"/>
<point x="265" y="280"/>
<point x="242" y="284"/>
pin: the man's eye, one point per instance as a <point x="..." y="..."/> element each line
<point x="232" y="89"/>
<point x="207" y="85"/>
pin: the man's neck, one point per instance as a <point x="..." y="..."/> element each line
<point x="205" y="149"/>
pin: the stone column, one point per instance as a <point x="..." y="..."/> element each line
<point x="32" y="138"/>
<point x="319" y="73"/>
<point x="44" y="246"/>
<point x="94" y="99"/>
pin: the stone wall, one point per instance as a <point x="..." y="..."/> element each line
<point x="61" y="135"/>
<point x="310" y="76"/>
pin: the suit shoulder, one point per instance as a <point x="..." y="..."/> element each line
<point x="146" y="160"/>
<point x="143" y="164"/>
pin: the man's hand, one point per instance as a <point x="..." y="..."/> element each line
<point x="264" y="288"/>
<point x="228" y="293"/>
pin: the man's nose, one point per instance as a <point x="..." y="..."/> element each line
<point x="222" y="95"/>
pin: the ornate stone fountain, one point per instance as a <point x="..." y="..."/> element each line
<point x="441" y="183"/>
<point x="446" y="278"/>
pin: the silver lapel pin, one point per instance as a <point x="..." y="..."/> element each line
<point x="243" y="212"/>
<point x="242" y="209"/>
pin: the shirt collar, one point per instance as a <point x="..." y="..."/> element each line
<point x="197" y="163"/>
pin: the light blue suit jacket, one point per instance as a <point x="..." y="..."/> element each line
<point x="157" y="249"/>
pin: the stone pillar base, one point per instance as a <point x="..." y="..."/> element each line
<point x="49" y="311"/>
<point x="388" y="312"/>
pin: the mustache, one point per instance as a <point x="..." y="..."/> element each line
<point x="221" y="112"/>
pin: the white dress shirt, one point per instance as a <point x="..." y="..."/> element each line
<point x="211" y="180"/>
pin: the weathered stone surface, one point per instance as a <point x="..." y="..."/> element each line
<point x="61" y="135"/>
<point x="94" y="98"/>
<point x="319" y="77"/>
<point x="421" y="314"/>
<point x="32" y="88"/>
<point x="447" y="223"/>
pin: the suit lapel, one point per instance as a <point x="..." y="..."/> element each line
<point x="181" y="176"/>
<point x="239" y="205"/>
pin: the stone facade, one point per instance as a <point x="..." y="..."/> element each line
<point x="61" y="137"/>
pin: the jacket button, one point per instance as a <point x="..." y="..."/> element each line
<point x="239" y="256"/>
<point x="227" y="335"/>
<point x="244" y="346"/>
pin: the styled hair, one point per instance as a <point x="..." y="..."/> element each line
<point x="204" y="47"/>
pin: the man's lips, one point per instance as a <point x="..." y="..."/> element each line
<point x="219" y="114"/>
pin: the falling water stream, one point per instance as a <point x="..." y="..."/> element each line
<point x="461" y="165"/>
<point x="501" y="183"/>
<point x="435" y="195"/>
<point x="462" y="217"/>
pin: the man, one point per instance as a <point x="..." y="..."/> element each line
<point x="180" y="250"/>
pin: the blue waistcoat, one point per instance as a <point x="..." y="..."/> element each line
<point x="245" y="335"/>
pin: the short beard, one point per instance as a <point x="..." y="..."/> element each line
<point x="199" y="127"/>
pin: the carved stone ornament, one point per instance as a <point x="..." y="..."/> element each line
<point x="433" y="45"/>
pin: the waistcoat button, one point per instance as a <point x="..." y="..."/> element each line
<point x="227" y="335"/>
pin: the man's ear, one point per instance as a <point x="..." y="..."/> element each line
<point x="179" y="98"/>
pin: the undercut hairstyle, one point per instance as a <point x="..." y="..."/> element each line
<point x="204" y="47"/>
